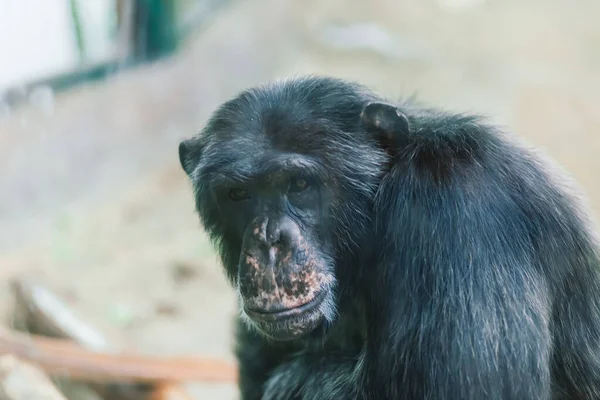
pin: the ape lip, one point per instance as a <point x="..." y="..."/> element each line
<point x="288" y="313"/>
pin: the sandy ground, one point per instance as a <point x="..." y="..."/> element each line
<point x="93" y="202"/>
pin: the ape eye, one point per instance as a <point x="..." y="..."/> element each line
<point x="298" y="185"/>
<point x="237" y="194"/>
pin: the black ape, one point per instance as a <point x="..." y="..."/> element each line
<point x="388" y="251"/>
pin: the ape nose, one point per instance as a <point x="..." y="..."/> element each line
<point x="276" y="232"/>
<point x="273" y="234"/>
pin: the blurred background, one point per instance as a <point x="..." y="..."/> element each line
<point x="95" y="95"/>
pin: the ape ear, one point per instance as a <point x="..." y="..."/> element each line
<point x="190" y="151"/>
<point x="388" y="125"/>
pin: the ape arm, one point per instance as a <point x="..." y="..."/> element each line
<point x="329" y="376"/>
<point x="257" y="360"/>
<point x="278" y="370"/>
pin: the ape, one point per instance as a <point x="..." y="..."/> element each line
<point x="391" y="251"/>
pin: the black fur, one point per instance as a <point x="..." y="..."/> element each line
<point x="464" y="269"/>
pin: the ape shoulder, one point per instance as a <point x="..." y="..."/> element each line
<point x="432" y="141"/>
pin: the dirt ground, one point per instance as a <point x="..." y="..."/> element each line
<point x="93" y="202"/>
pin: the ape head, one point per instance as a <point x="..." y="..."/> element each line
<point x="284" y="178"/>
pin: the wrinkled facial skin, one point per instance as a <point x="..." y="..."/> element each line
<point x="284" y="282"/>
<point x="284" y="275"/>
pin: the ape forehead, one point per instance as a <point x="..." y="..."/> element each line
<point x="311" y="123"/>
<point x="268" y="168"/>
<point x="273" y="128"/>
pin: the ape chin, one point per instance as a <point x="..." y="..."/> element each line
<point x="385" y="250"/>
<point x="289" y="323"/>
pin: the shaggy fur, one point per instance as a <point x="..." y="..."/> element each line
<point x="464" y="270"/>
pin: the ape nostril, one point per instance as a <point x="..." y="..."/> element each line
<point x="274" y="240"/>
<point x="273" y="234"/>
<point x="279" y="240"/>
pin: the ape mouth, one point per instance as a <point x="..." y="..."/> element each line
<point x="288" y="313"/>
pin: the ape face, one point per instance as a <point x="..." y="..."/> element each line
<point x="278" y="181"/>
<point x="284" y="276"/>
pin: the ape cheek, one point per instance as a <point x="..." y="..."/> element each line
<point x="302" y="286"/>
